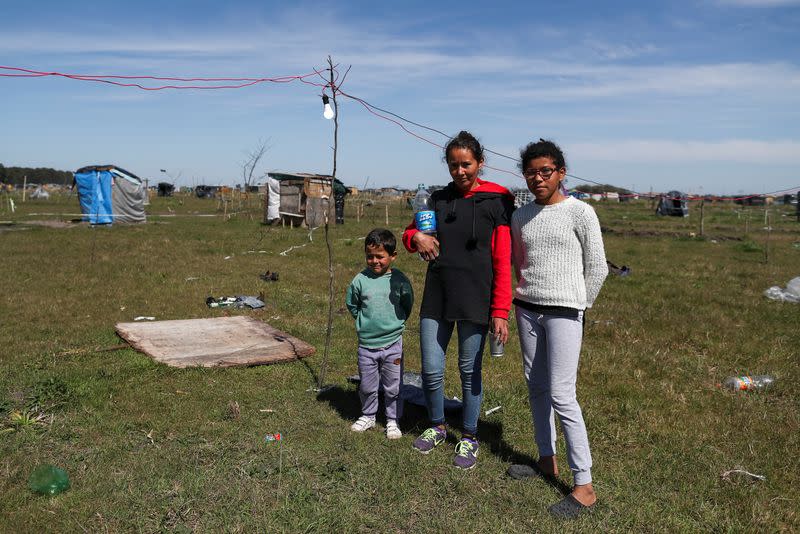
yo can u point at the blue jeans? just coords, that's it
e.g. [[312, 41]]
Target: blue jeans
[[434, 337]]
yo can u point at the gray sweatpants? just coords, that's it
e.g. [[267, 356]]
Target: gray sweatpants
[[551, 347], [380, 367]]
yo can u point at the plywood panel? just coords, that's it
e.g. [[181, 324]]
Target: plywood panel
[[214, 342]]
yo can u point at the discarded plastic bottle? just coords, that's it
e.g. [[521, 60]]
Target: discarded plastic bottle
[[424, 216], [747, 383], [48, 480]]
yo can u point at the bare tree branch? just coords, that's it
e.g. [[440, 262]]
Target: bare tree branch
[[253, 157]]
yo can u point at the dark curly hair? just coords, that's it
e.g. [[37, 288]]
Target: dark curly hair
[[464, 139], [380, 237], [542, 148]]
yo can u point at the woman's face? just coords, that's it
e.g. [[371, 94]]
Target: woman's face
[[544, 180], [463, 168]]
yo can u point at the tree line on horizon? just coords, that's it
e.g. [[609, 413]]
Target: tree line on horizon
[[40, 175]]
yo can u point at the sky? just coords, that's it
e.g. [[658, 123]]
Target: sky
[[697, 95]]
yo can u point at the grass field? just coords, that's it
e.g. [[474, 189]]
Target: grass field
[[152, 448]]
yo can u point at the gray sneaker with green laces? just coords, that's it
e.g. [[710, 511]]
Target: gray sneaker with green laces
[[466, 454], [429, 439]]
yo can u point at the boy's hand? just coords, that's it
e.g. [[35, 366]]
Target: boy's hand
[[426, 245]]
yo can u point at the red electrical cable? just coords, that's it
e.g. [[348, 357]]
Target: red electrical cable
[[19, 72], [106, 78]]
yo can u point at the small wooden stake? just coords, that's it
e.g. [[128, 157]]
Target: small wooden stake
[[769, 233], [702, 216]]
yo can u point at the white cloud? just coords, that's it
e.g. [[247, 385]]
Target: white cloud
[[759, 3], [617, 51], [577, 82], [751, 151]]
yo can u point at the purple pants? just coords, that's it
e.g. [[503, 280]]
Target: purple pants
[[380, 368]]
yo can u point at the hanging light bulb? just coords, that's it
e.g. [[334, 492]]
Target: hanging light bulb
[[328, 111]]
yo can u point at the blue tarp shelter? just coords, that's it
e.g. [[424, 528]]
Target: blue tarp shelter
[[109, 194]]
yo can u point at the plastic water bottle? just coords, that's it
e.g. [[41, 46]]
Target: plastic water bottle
[[424, 215], [48, 480], [747, 383]]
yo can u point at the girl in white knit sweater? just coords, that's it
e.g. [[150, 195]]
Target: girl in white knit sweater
[[560, 264]]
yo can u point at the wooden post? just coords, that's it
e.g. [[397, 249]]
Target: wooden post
[[797, 205], [387, 214], [24, 187], [769, 233], [747, 224], [329, 329], [702, 216]]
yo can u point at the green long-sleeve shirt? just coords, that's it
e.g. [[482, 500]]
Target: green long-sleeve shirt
[[380, 305]]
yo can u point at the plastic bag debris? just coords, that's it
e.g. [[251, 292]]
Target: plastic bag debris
[[239, 301], [790, 294], [48, 480]]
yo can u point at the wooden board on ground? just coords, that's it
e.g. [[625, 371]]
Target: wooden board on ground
[[214, 342]]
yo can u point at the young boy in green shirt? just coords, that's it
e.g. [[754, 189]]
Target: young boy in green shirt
[[380, 300]]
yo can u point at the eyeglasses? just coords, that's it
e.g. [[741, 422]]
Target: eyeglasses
[[544, 172]]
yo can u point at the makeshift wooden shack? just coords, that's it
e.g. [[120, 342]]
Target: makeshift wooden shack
[[304, 198]]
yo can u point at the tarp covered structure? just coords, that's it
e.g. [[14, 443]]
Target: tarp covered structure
[[109, 194], [673, 203]]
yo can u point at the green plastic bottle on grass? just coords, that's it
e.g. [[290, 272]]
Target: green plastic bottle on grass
[[48, 480]]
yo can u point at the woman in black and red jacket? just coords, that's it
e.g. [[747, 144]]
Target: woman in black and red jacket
[[468, 285]]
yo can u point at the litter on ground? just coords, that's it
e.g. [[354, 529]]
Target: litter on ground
[[269, 276], [727, 474], [790, 294], [238, 301], [619, 271]]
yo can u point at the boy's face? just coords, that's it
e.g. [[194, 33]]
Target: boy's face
[[378, 260]]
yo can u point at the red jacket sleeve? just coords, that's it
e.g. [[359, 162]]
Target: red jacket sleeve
[[501, 264], [409, 232]]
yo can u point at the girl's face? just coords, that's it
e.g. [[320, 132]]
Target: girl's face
[[463, 168], [544, 180]]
